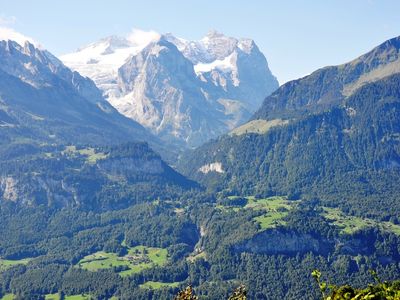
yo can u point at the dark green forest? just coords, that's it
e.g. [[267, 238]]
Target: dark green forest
[[205, 249]]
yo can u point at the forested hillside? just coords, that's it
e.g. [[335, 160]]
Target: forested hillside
[[152, 249], [347, 156], [89, 177]]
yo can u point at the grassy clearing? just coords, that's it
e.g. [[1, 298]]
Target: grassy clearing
[[159, 285], [8, 297], [137, 259], [271, 219], [258, 126], [270, 204], [274, 208], [352, 224], [6, 264], [79, 297], [91, 155], [52, 297]]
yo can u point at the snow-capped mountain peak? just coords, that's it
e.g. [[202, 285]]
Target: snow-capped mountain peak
[[226, 64], [40, 69], [113, 50], [101, 60], [187, 91]]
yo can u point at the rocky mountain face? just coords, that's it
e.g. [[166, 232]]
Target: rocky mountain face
[[39, 68], [311, 140], [41, 100], [281, 242], [186, 92], [171, 104], [236, 68], [284, 241]]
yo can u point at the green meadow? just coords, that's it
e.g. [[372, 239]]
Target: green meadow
[[276, 209], [91, 155], [351, 224], [52, 297], [273, 209], [79, 297], [6, 263], [159, 285], [137, 259]]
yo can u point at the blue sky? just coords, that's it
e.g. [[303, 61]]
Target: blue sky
[[297, 36]]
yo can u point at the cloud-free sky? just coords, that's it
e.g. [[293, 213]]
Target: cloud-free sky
[[297, 36]]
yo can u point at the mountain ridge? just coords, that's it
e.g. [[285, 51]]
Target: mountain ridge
[[329, 86], [42, 95], [219, 75]]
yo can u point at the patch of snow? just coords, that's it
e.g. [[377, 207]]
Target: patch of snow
[[224, 65], [101, 60]]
